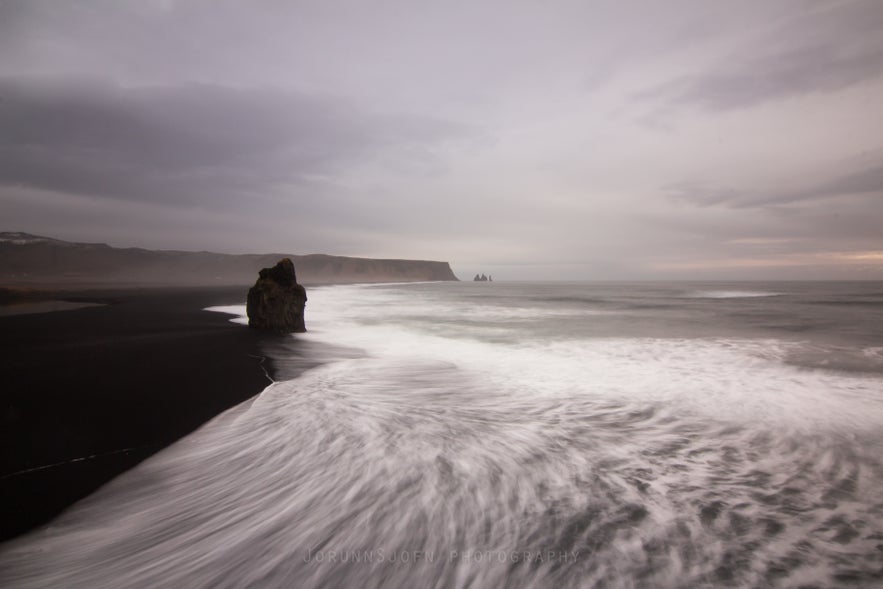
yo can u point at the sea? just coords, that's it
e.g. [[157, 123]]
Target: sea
[[518, 434]]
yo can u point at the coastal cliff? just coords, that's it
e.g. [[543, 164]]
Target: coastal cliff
[[31, 259]]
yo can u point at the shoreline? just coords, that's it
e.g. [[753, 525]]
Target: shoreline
[[91, 392]]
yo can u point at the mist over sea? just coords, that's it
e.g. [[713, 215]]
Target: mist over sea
[[519, 435]]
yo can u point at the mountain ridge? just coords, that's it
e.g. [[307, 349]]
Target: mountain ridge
[[33, 259]]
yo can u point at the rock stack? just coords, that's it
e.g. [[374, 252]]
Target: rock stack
[[276, 301]]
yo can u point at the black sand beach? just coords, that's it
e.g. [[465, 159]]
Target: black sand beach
[[89, 393]]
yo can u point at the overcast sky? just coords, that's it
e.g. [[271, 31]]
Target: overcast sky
[[527, 139]]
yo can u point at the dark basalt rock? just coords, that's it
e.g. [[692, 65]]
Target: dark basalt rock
[[276, 301]]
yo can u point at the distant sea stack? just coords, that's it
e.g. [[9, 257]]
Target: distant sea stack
[[482, 278], [276, 301]]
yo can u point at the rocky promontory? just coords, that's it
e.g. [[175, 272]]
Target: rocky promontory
[[28, 260], [276, 301]]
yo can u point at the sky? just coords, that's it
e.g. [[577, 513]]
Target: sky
[[561, 139]]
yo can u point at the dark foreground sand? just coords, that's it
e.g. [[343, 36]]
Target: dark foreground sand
[[113, 383]]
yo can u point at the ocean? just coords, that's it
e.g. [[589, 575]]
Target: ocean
[[519, 435]]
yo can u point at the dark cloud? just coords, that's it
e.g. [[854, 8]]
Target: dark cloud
[[824, 51], [739, 85], [474, 132], [187, 144], [863, 181]]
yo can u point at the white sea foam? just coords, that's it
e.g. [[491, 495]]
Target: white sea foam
[[731, 294], [740, 379], [237, 310], [725, 379], [662, 462]]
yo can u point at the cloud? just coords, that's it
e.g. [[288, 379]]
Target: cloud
[[191, 144], [826, 50], [864, 181], [704, 195], [812, 259], [502, 133], [792, 73]]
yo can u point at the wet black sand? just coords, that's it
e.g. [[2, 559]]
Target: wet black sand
[[112, 384]]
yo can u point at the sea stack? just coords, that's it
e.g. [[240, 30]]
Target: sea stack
[[276, 301]]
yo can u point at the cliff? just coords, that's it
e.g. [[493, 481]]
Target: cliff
[[30, 259]]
